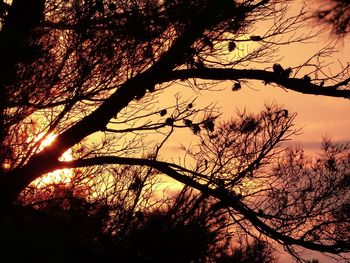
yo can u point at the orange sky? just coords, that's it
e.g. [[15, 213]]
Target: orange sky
[[318, 116]]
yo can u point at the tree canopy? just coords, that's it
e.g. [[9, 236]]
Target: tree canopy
[[94, 75], [336, 14]]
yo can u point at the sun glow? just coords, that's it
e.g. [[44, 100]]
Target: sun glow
[[63, 176]]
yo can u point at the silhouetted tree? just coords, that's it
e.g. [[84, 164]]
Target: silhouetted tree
[[336, 13], [188, 227], [257, 251], [94, 74]]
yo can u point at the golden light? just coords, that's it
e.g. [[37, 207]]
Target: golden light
[[63, 176]]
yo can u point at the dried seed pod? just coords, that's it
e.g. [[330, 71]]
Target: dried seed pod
[[163, 112], [231, 46]]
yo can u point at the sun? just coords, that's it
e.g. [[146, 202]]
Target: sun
[[63, 176]]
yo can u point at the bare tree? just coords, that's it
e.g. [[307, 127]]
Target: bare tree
[[91, 72]]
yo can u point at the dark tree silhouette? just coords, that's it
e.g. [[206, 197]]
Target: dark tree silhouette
[[336, 13], [257, 251], [188, 227], [94, 74]]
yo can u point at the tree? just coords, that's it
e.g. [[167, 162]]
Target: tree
[[257, 251], [187, 227], [336, 14], [90, 73]]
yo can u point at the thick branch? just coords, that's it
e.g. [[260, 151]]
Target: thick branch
[[295, 84], [227, 197], [43, 162]]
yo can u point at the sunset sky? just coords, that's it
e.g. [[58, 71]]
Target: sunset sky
[[110, 114], [317, 116]]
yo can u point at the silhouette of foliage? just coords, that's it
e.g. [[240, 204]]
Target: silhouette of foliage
[[95, 75], [185, 228], [256, 252], [336, 13]]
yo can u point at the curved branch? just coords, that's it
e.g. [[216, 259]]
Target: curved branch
[[222, 194], [45, 160], [295, 84]]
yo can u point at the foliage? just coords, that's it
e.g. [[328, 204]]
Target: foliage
[[336, 13], [66, 226], [95, 74]]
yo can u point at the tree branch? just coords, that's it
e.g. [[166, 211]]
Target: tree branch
[[295, 84], [227, 197], [43, 161]]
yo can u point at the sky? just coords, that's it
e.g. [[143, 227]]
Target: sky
[[317, 116]]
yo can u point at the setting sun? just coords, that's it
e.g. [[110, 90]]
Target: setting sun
[[175, 130], [63, 176]]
